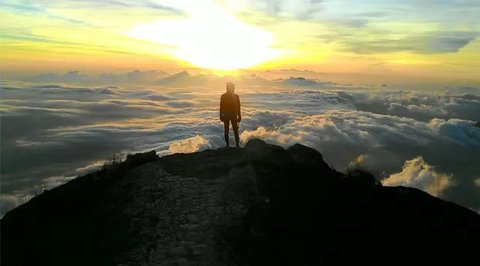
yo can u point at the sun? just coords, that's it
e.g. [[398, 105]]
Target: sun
[[211, 38]]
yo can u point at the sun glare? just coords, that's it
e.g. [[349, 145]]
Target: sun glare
[[211, 38]]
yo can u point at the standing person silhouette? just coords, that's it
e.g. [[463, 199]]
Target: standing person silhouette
[[230, 112]]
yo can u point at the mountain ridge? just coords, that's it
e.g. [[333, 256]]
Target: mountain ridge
[[257, 205]]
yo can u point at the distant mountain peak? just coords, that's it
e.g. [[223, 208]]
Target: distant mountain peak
[[182, 73]]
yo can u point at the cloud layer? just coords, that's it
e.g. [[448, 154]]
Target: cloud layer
[[51, 133], [417, 173]]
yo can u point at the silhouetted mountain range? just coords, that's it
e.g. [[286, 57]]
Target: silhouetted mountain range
[[159, 77], [302, 82], [258, 205]]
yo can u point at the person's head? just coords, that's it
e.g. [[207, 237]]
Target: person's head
[[230, 87]]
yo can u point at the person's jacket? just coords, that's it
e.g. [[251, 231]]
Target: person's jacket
[[230, 105]]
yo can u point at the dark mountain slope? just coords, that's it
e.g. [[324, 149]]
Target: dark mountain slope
[[260, 205]]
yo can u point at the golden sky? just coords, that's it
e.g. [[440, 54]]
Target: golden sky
[[414, 39]]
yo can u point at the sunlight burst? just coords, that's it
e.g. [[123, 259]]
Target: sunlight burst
[[211, 38]]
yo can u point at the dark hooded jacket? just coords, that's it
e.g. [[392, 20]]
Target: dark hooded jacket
[[230, 105]]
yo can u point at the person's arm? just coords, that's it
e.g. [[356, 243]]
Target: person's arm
[[239, 114], [221, 108]]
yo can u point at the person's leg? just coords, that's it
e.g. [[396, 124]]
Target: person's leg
[[226, 128], [235, 131]]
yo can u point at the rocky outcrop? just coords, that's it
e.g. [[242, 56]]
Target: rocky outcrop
[[260, 205]]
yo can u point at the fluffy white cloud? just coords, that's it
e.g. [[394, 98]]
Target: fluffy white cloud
[[457, 130], [419, 174], [477, 182], [300, 9], [420, 105], [271, 136], [7, 202], [188, 145]]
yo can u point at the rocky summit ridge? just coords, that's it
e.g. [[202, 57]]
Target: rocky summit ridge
[[257, 205]]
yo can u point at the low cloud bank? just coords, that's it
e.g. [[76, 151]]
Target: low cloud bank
[[417, 173]]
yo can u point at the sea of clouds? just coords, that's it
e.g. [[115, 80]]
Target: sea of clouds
[[52, 131]]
